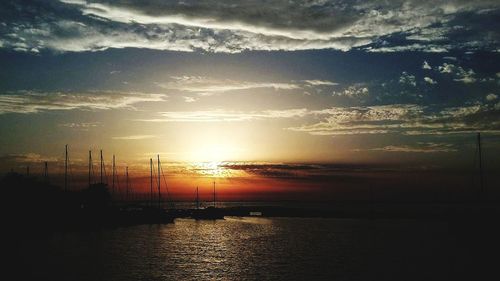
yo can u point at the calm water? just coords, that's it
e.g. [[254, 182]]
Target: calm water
[[255, 249]]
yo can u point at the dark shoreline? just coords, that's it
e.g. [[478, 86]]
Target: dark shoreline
[[124, 216]]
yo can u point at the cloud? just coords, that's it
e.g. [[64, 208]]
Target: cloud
[[458, 73], [429, 80], [355, 92], [408, 119], [226, 115], [190, 99], [286, 171], [205, 86], [320, 82], [218, 26], [134, 137], [83, 126], [428, 147], [275, 170], [491, 97], [34, 102], [415, 47], [26, 158], [426, 65], [407, 79], [309, 171]]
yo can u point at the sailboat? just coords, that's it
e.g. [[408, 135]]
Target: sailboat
[[150, 213], [97, 194], [209, 213]]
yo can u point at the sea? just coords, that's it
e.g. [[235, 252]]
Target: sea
[[259, 248]]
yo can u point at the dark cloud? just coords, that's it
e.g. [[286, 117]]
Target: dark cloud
[[221, 26], [313, 172]]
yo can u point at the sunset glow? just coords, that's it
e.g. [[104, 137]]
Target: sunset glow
[[250, 139], [258, 98]]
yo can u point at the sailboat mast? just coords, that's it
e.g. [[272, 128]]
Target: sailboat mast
[[214, 194], [151, 179], [90, 167], [46, 172], [101, 166], [126, 191], [159, 182], [481, 184], [113, 175], [197, 199], [66, 169]]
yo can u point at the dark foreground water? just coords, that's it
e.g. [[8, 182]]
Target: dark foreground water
[[263, 249]]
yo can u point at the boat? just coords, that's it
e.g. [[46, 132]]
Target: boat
[[209, 213], [97, 208]]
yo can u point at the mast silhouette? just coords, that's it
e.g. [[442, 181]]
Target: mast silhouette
[[481, 183], [159, 182], [113, 176], [102, 164], [214, 194], [66, 169], [46, 172], [197, 199], [151, 179], [90, 168], [126, 188]]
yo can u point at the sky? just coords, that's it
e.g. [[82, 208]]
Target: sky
[[270, 99]]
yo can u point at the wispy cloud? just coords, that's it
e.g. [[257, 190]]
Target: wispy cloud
[[320, 82], [83, 126], [134, 137], [206, 86], [34, 102], [225, 115], [26, 158], [407, 119], [428, 147], [209, 86], [189, 99]]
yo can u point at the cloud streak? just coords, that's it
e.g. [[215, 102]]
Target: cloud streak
[[82, 126], [408, 119], [208, 86], [226, 115], [34, 102], [429, 147], [135, 137]]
